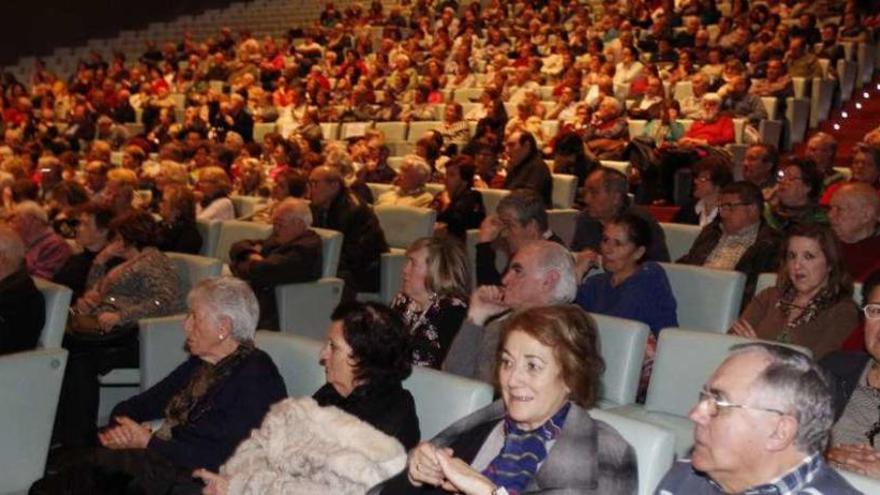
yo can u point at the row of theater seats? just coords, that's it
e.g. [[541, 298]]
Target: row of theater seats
[[708, 302]]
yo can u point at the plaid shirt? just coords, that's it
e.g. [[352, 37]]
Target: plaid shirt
[[812, 476]]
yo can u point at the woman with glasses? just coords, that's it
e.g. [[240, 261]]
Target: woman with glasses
[[856, 387], [711, 175], [811, 304], [799, 185]]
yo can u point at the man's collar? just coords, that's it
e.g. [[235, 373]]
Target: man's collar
[[793, 481], [745, 231]]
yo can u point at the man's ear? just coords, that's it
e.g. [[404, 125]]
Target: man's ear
[[784, 435], [551, 278]]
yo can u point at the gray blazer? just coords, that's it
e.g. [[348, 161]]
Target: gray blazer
[[472, 352], [589, 457]]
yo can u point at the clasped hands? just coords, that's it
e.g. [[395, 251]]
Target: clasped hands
[[437, 466], [125, 434]]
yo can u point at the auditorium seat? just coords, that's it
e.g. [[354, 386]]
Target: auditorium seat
[[706, 299], [443, 398], [57, 303], [622, 346], [679, 238]]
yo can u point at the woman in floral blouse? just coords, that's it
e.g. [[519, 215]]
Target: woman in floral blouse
[[433, 297]]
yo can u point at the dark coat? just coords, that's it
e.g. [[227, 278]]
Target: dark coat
[[179, 237], [22, 313], [464, 212], [588, 234], [363, 242], [294, 262], [844, 369], [761, 257], [388, 407], [223, 418], [589, 456], [487, 273], [532, 173]]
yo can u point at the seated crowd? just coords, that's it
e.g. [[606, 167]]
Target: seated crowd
[[104, 174]]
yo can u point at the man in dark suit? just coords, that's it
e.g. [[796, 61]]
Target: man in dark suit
[[22, 308], [292, 254]]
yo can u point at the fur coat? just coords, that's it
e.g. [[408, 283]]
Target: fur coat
[[303, 448]]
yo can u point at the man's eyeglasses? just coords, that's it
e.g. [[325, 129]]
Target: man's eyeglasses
[[872, 311], [715, 405], [730, 206]]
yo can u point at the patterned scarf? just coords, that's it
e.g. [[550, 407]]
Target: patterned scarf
[[181, 407], [523, 452], [824, 299]]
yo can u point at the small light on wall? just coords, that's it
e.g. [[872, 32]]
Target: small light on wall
[[866, 95], [836, 127], [844, 115], [859, 105]]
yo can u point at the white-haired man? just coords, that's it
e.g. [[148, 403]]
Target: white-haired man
[[762, 422], [541, 273], [45, 251], [410, 189], [22, 309], [291, 254], [854, 212]]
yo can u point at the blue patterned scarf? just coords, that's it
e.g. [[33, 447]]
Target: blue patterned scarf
[[523, 452]]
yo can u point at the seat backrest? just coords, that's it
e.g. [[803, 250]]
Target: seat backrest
[[564, 190], [232, 231], [30, 383], [297, 359], [419, 128], [192, 269], [305, 308], [57, 303], [654, 447], [860, 482], [491, 198], [706, 299], [377, 189], [210, 232], [684, 362], [679, 238], [393, 131], [161, 347], [261, 129], [330, 130], [622, 346], [636, 126], [563, 222], [622, 167], [245, 206], [442, 398], [404, 224], [767, 280], [331, 249], [353, 129]]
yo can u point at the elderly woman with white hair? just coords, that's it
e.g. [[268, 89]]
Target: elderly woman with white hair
[[207, 405], [607, 133], [410, 189]]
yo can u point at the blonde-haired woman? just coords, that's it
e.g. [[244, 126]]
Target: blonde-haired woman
[[214, 186], [433, 296]]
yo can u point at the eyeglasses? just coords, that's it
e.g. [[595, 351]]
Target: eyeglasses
[[783, 177], [716, 404], [872, 311], [730, 206]]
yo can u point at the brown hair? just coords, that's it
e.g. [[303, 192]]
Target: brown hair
[[571, 333], [839, 281]]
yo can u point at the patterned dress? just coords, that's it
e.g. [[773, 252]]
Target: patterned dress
[[433, 327]]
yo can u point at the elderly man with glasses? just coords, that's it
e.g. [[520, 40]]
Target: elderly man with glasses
[[761, 423], [739, 240]]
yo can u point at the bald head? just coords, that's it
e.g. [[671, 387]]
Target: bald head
[[854, 212]]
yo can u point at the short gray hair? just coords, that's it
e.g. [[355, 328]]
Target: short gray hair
[[419, 164], [800, 388], [11, 246], [228, 297], [552, 256], [33, 210]]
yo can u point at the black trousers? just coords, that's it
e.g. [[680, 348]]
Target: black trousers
[[90, 356], [101, 471]]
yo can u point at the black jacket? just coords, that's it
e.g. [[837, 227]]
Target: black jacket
[[22, 313], [464, 212], [294, 262], [844, 369], [363, 242], [179, 237], [532, 173], [223, 418], [388, 407]]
